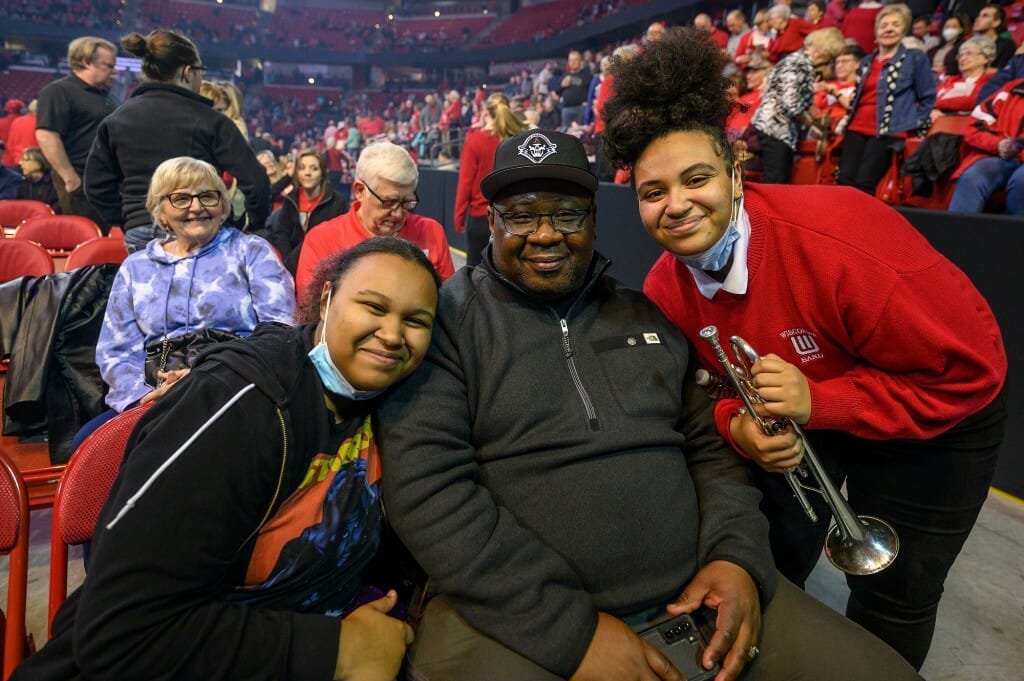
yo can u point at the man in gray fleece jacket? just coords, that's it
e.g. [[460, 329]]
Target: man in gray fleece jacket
[[555, 469]]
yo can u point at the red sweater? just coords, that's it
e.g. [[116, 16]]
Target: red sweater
[[859, 25], [791, 39], [21, 136], [346, 231], [894, 340], [476, 162]]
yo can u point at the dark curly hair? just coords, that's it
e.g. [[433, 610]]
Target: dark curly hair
[[675, 84], [334, 267]]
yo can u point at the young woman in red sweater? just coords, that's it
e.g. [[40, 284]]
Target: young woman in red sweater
[[879, 347], [497, 123]]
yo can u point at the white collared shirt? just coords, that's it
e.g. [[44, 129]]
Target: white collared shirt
[[736, 280]]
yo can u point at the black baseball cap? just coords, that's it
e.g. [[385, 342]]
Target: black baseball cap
[[539, 154]]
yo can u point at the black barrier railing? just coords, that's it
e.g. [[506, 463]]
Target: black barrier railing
[[989, 248]]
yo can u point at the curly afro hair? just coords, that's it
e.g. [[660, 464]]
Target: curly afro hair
[[674, 84]]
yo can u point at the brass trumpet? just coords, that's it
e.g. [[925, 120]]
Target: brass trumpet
[[857, 545]]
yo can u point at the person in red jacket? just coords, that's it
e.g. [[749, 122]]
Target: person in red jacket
[[790, 31], [703, 22], [956, 95], [21, 136], [14, 108], [996, 158], [871, 340], [498, 123], [383, 198]]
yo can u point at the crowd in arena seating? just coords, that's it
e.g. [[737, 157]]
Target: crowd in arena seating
[[296, 119]]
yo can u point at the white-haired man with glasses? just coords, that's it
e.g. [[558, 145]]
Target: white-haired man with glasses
[[383, 201]]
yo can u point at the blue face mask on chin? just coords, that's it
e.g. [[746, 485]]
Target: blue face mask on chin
[[716, 257], [332, 378]]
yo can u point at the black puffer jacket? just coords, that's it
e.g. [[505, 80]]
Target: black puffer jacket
[[49, 327]]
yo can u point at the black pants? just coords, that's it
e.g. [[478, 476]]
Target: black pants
[[930, 491], [863, 160], [777, 159], [478, 233]]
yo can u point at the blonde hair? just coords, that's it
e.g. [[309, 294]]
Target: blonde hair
[[506, 124], [82, 51], [899, 9], [213, 91], [179, 173], [387, 160], [828, 41]]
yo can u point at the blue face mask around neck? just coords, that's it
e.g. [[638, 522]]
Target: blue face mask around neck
[[716, 257], [332, 378]]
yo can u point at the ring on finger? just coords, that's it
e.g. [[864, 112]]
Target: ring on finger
[[752, 652]]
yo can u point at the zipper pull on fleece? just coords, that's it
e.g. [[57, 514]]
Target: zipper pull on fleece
[[565, 338]]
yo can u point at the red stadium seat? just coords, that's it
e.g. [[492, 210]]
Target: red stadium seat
[[23, 258], [97, 251], [81, 493], [15, 211], [59, 234], [14, 544]]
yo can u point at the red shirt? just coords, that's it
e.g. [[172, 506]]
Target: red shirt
[[476, 162], [720, 38], [871, 314], [859, 24], [5, 125], [344, 231], [21, 136], [791, 39], [864, 119], [604, 93], [835, 109], [954, 95]]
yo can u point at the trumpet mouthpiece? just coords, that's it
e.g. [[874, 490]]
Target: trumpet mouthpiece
[[709, 332]]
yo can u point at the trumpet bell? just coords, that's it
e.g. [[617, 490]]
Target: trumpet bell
[[874, 553]]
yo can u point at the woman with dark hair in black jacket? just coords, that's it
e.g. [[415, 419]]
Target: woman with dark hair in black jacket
[[166, 117], [312, 201]]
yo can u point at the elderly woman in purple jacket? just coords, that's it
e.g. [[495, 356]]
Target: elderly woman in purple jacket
[[200, 276]]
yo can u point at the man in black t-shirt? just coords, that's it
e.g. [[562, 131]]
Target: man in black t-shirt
[[69, 112], [573, 89]]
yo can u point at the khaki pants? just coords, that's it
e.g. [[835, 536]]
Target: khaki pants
[[800, 639]]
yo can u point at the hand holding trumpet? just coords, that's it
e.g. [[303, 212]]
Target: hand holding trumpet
[[786, 394]]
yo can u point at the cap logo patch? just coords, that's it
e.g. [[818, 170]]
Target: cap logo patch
[[536, 148]]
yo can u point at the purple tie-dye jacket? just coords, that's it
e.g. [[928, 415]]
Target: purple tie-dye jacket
[[233, 283]]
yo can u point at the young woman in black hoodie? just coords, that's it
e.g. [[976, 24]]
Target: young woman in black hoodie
[[235, 541]]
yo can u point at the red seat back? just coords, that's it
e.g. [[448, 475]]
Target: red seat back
[[15, 211], [97, 251], [81, 493], [58, 232], [13, 543], [21, 258]]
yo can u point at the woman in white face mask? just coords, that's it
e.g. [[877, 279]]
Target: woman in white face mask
[[954, 32], [238, 540]]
